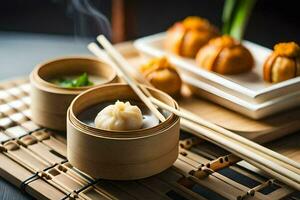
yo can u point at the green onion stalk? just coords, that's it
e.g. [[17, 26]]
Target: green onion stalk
[[235, 17]]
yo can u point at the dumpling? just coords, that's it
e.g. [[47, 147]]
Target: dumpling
[[185, 38], [225, 55], [162, 75], [119, 116], [283, 63]]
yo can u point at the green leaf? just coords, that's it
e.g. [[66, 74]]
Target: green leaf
[[241, 18], [82, 80], [228, 13], [235, 16]]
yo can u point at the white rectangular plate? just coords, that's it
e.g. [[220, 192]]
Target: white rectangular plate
[[254, 111], [249, 87]]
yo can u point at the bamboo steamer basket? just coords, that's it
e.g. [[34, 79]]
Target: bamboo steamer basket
[[49, 102], [120, 155]]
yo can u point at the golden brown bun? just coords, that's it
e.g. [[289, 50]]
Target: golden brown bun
[[162, 76], [187, 37], [283, 63], [225, 55]]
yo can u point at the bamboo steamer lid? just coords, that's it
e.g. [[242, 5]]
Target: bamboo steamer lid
[[49, 102], [120, 155]]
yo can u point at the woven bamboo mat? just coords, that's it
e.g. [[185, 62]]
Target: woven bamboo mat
[[34, 159]]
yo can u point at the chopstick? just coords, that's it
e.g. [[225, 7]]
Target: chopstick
[[118, 58], [234, 145], [269, 167], [132, 83], [195, 118]]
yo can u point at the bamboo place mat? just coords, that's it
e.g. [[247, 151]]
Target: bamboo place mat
[[34, 159]]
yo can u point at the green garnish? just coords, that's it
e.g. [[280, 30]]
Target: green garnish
[[235, 16], [82, 80], [228, 14]]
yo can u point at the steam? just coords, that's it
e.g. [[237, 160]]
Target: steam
[[89, 21]]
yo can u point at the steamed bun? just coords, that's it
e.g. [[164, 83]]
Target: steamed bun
[[119, 116]]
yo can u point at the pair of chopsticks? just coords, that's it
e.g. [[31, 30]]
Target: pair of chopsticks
[[274, 164]]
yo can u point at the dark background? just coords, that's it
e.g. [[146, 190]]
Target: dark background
[[271, 21]]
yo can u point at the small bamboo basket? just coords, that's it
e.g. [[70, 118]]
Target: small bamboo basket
[[49, 102], [120, 155]]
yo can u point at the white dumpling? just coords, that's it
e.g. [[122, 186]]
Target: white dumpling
[[120, 116]]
